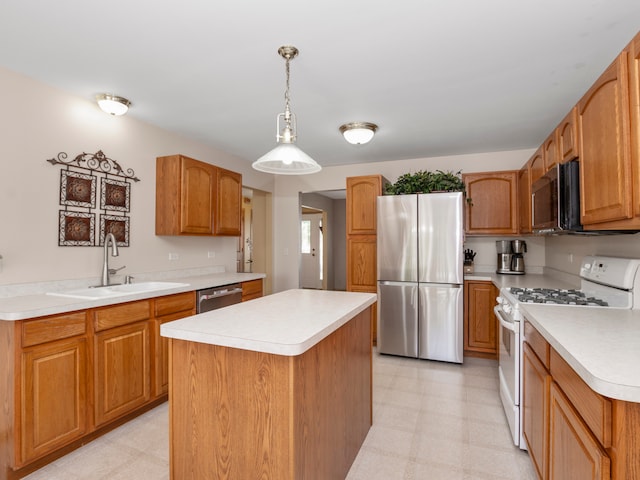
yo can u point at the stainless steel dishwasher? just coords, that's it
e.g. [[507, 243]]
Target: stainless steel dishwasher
[[218, 297]]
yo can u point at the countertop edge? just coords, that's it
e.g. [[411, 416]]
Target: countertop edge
[[41, 305], [178, 331]]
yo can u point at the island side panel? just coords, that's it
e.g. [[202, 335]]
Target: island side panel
[[237, 414], [230, 413], [332, 383]]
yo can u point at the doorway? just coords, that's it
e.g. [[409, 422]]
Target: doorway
[[332, 265], [312, 249], [255, 244]]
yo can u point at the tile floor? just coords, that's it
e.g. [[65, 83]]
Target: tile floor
[[431, 421]]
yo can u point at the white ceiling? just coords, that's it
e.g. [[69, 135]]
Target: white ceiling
[[438, 77]]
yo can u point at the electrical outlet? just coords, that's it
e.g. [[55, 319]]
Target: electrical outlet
[[211, 254], [173, 256]]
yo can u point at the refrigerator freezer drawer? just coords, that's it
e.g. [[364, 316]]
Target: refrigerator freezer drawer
[[440, 324], [398, 318]]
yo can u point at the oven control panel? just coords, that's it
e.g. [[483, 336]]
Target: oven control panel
[[610, 271]]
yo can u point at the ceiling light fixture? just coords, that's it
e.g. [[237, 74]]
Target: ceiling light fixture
[[112, 104], [358, 133], [286, 158]]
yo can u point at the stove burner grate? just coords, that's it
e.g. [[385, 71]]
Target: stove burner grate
[[556, 296]]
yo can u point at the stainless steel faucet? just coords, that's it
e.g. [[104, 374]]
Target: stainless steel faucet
[[114, 253]]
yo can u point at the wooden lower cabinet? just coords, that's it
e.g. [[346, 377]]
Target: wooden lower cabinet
[[535, 406], [167, 309], [122, 372], [252, 290], [574, 452], [53, 396], [480, 323]]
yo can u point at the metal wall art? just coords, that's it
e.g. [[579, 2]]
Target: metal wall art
[[79, 197]]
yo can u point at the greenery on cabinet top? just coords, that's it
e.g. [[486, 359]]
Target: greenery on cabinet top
[[426, 182]]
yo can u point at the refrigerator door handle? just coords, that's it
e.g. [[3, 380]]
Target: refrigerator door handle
[[441, 285]]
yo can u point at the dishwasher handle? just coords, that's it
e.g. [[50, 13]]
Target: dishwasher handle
[[220, 294]]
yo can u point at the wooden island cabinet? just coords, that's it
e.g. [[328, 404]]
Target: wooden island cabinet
[[274, 403]]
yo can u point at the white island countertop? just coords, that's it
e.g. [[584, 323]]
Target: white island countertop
[[286, 323], [601, 344]]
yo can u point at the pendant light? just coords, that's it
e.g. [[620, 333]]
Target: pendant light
[[286, 158]]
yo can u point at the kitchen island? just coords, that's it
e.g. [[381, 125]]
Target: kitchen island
[[277, 388]]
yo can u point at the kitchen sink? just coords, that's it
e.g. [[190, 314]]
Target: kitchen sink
[[112, 291]]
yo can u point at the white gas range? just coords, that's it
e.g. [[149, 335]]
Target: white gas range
[[606, 282]]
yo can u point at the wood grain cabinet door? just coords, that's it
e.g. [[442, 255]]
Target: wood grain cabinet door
[[494, 202], [362, 194], [524, 199], [551, 151], [53, 396], [480, 321], [573, 450], [197, 197], [535, 405], [538, 167], [228, 203], [568, 137], [361, 263], [603, 129], [122, 372]]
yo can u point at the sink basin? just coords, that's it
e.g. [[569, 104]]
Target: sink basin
[[113, 291]]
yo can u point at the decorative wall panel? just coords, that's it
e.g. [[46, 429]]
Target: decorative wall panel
[[78, 195]]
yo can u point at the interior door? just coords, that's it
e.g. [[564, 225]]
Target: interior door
[[311, 251]]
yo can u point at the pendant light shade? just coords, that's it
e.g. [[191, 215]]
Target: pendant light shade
[[112, 104], [358, 133], [286, 158]]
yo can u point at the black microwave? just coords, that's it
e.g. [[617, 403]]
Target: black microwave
[[555, 200]]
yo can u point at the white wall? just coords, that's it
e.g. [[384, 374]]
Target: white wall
[[37, 122], [334, 178]]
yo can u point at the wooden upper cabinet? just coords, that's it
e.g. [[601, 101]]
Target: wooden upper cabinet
[[551, 152], [196, 198], [494, 202], [567, 133], [634, 96], [362, 194], [362, 263], [605, 156], [228, 203], [536, 162], [524, 199]]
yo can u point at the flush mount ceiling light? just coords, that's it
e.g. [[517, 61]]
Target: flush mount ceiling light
[[112, 104], [286, 158], [358, 133]]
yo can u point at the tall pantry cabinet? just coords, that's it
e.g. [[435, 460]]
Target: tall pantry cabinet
[[362, 194]]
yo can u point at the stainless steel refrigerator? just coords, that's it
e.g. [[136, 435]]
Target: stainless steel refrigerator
[[420, 279]]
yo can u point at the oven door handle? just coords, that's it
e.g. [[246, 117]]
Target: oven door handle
[[513, 326]]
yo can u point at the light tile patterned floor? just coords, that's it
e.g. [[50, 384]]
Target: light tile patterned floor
[[432, 421]]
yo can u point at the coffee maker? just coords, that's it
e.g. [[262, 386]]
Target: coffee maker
[[510, 256], [519, 247]]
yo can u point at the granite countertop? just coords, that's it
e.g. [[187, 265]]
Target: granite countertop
[[286, 323], [601, 344], [21, 307]]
